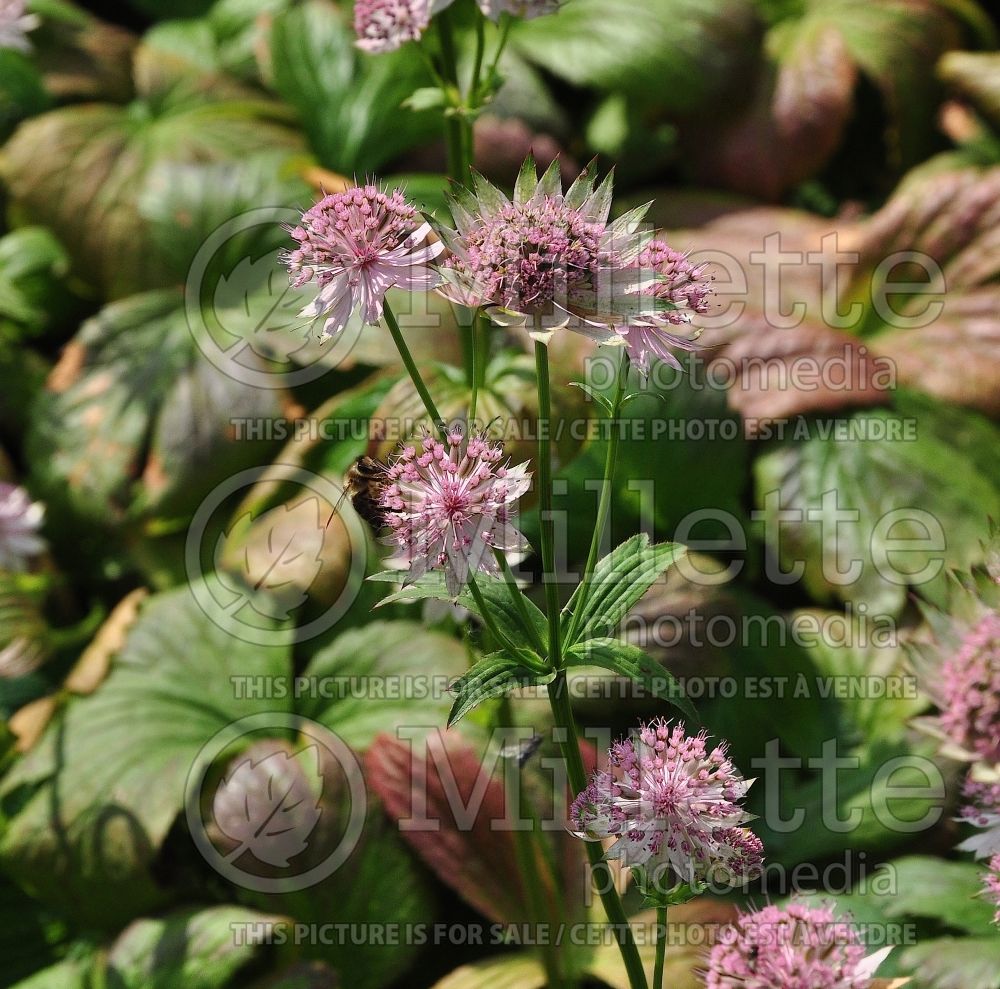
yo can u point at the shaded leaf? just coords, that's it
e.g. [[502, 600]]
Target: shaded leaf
[[111, 415], [680, 52], [884, 476], [389, 674], [349, 104], [84, 822]]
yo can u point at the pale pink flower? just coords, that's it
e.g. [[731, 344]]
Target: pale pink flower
[[355, 246], [548, 260], [385, 25], [671, 803], [795, 947], [957, 657], [982, 812], [449, 505], [970, 689], [15, 23], [686, 288], [20, 520], [991, 885]]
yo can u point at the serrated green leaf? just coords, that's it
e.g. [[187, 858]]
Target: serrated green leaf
[[630, 661], [494, 591], [619, 580], [494, 675]]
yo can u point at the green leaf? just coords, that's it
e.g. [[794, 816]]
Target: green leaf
[[947, 891], [382, 676], [930, 477], [630, 661], [426, 98], [494, 591], [619, 580], [91, 192], [955, 963], [679, 52], [111, 416], [349, 103], [22, 93], [495, 675], [198, 948], [90, 805]]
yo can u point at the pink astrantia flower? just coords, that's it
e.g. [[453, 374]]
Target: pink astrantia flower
[[15, 24], [982, 812], [20, 520], [991, 885], [355, 246], [671, 803], [385, 25], [450, 505], [685, 286], [795, 947], [548, 260], [957, 657], [970, 688]]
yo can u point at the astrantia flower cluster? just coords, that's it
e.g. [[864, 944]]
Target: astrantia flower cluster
[[450, 505], [796, 947], [385, 25], [991, 886], [15, 24], [686, 287], [20, 520], [355, 246], [970, 688], [549, 260], [982, 812], [672, 804]]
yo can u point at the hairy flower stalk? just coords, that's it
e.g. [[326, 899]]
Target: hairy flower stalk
[[450, 505], [549, 260], [672, 805], [795, 947], [20, 521], [15, 23], [355, 246]]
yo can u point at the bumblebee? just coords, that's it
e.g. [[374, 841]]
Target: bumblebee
[[364, 484]]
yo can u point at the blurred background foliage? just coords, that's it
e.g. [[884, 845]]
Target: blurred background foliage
[[133, 131]]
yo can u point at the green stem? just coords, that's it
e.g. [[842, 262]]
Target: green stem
[[518, 599], [455, 123], [604, 502], [546, 521], [527, 860], [661, 946], [413, 371], [494, 629], [562, 713]]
